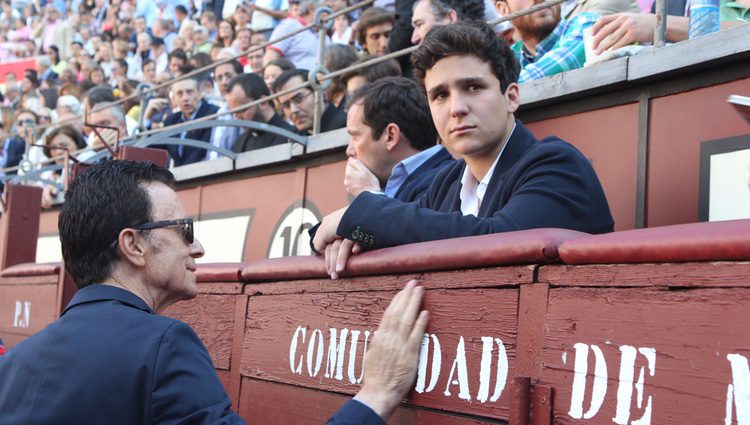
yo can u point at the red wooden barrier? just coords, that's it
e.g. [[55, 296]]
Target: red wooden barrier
[[28, 300]]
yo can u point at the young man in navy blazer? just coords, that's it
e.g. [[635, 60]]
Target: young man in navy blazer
[[506, 180], [392, 141], [111, 359]]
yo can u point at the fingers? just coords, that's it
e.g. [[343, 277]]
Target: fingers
[[601, 22], [345, 251], [419, 329], [411, 310]]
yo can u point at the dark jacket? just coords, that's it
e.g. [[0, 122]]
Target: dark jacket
[[546, 183], [253, 139], [14, 148], [190, 154], [418, 181], [333, 118]]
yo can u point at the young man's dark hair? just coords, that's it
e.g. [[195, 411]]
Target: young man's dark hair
[[465, 9], [466, 38], [98, 94], [397, 100], [236, 66], [157, 41], [252, 84], [371, 17], [98, 205], [180, 8], [288, 75], [123, 64], [179, 54]]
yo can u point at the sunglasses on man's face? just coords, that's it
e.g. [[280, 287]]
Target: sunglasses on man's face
[[185, 227]]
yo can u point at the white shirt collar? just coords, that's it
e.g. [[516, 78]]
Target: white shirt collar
[[472, 191]]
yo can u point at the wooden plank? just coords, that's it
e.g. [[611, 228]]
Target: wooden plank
[[202, 169], [307, 340], [625, 354], [209, 316], [475, 278], [265, 156], [26, 309], [235, 379], [273, 403], [719, 274], [224, 288], [532, 308], [601, 76], [29, 280]]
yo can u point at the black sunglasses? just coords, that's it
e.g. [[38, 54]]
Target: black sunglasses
[[186, 227]]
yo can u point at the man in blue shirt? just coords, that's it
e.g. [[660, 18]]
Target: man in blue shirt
[[392, 141], [111, 358]]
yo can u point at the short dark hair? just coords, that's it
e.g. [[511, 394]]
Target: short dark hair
[[179, 54], [146, 62], [236, 66], [288, 75], [180, 8], [157, 41], [67, 130], [467, 38], [389, 68], [252, 84], [371, 17], [400, 101], [465, 9], [124, 64], [100, 203], [99, 94]]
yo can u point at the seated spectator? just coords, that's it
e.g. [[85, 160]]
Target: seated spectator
[[96, 76], [358, 78], [148, 71], [60, 140], [337, 57], [506, 180], [243, 89], [176, 59], [15, 146], [102, 94], [302, 48], [158, 53], [374, 30], [57, 65], [225, 36], [299, 105], [224, 137], [392, 141], [208, 20], [548, 44], [273, 69], [266, 15], [428, 13], [342, 30], [201, 43], [108, 115], [191, 106]]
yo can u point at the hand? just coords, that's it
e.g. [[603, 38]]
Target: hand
[[393, 355], [326, 233], [154, 105], [337, 254], [108, 136], [622, 29], [358, 178], [49, 193]]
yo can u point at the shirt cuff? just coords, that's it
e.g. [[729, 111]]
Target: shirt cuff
[[356, 412]]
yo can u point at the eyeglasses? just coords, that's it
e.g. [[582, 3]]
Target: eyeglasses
[[27, 122], [297, 99], [225, 76], [186, 227]]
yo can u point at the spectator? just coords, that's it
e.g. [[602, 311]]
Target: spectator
[[338, 57], [125, 278], [224, 137], [191, 106], [30, 84], [300, 49], [242, 44], [142, 52], [180, 14], [273, 69], [200, 60], [8, 13], [243, 89], [208, 21], [226, 34], [102, 95], [392, 141], [119, 73], [342, 30], [45, 29], [353, 80], [201, 44], [96, 76], [47, 77], [15, 146], [506, 179], [299, 105], [255, 60], [149, 71], [159, 54], [266, 14], [374, 29], [176, 59], [109, 115], [428, 13], [57, 66], [67, 104], [548, 45], [60, 140]]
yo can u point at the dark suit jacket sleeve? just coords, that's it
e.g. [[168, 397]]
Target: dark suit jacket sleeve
[[355, 413], [553, 186], [186, 388]]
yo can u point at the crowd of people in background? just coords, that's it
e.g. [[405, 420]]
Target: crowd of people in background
[[96, 52]]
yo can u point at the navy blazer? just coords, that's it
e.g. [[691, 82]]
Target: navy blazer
[[110, 360], [190, 154], [417, 182], [14, 149], [546, 183]]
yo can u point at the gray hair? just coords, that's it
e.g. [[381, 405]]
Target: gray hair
[[70, 102], [308, 6]]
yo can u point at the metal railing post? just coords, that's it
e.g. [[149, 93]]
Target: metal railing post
[[318, 88], [660, 32]]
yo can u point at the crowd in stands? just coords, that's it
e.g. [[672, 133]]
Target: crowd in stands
[[94, 52]]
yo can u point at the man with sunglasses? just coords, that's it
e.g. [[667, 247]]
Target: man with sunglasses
[[15, 146], [299, 105], [110, 358]]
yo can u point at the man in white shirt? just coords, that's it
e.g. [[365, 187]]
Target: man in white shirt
[[506, 179]]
